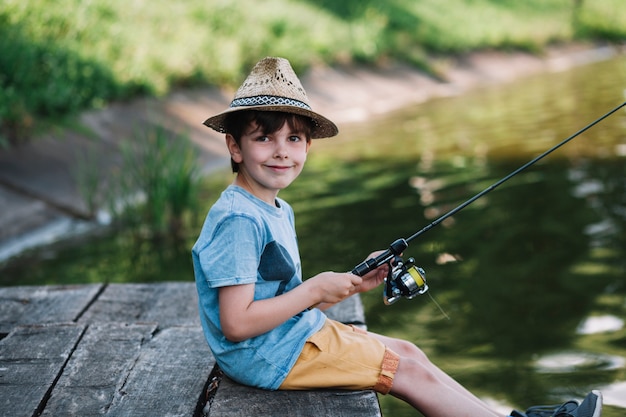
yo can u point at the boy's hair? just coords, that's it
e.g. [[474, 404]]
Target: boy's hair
[[236, 124]]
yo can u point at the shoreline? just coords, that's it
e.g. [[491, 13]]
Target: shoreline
[[40, 201], [340, 93]]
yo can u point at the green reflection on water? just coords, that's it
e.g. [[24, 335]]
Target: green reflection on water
[[523, 282], [517, 271]]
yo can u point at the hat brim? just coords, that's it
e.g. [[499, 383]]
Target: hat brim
[[323, 128]]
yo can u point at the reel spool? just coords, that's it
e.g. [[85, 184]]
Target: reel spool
[[404, 280]]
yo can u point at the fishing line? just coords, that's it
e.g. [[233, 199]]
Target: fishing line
[[438, 306]]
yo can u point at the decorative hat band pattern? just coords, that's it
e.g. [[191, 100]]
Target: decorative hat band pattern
[[268, 101]]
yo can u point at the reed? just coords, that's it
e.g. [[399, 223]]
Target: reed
[[157, 185]]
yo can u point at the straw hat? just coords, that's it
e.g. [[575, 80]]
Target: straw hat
[[273, 86]]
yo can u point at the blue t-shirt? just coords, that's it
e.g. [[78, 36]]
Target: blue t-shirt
[[244, 240]]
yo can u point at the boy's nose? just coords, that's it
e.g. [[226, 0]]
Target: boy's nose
[[281, 150]]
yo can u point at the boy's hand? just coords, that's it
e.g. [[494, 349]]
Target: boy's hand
[[373, 278], [332, 287]]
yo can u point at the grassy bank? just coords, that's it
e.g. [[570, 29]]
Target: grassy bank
[[56, 61]]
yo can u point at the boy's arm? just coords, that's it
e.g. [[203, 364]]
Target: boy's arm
[[242, 317]]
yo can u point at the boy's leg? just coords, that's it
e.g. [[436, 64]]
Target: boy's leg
[[427, 388]]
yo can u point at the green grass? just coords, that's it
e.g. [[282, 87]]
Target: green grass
[[56, 61]]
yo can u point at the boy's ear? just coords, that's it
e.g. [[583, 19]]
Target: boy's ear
[[233, 149]]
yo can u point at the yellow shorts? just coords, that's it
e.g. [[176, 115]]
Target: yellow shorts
[[343, 357]]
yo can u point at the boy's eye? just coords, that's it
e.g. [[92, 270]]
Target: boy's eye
[[262, 139], [295, 138]]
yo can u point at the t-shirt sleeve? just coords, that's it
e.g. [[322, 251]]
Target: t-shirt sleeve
[[232, 255]]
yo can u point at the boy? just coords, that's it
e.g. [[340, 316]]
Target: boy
[[264, 325]]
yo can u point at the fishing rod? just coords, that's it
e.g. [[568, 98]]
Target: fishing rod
[[405, 279]]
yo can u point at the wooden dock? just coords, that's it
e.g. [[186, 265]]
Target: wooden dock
[[135, 350]]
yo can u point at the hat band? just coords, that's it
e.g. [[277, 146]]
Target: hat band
[[268, 101]]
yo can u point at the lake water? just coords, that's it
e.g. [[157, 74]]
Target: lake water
[[531, 277]]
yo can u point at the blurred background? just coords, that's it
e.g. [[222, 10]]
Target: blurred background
[[532, 276]]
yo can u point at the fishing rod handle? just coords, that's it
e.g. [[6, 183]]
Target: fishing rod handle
[[395, 249]]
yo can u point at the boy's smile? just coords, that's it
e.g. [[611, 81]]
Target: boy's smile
[[268, 162]]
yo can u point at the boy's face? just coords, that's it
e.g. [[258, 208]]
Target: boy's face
[[268, 162]]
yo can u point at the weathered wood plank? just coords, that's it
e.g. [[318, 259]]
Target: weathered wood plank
[[31, 359], [169, 376], [45, 304], [158, 364], [98, 369], [235, 400], [168, 303]]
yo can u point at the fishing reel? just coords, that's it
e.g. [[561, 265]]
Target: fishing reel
[[404, 280]]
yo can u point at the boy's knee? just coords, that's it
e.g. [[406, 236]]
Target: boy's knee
[[409, 350], [413, 371]]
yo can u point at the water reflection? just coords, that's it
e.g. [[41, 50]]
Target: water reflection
[[520, 252], [111, 256], [567, 362], [600, 324], [517, 272], [614, 394]]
